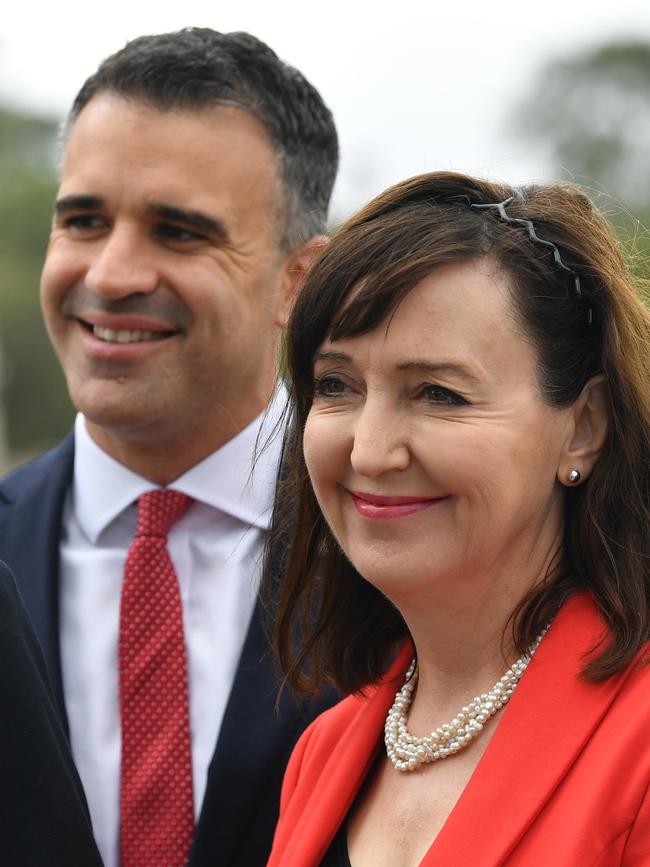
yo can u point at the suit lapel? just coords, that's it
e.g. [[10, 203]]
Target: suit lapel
[[31, 508], [549, 719], [253, 747]]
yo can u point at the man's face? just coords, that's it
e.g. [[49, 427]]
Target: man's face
[[163, 281]]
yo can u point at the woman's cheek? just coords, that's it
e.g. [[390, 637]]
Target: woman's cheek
[[324, 450]]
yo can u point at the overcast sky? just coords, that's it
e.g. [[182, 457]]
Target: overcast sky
[[414, 86]]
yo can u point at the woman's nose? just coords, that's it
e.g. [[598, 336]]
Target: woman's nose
[[380, 443], [122, 265]]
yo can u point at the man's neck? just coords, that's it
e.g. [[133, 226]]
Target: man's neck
[[159, 459]]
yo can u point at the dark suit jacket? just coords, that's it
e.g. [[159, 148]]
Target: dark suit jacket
[[244, 778], [564, 781], [44, 819]]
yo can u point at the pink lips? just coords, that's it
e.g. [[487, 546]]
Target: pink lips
[[376, 507]]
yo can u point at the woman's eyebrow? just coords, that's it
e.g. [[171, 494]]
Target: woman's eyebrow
[[438, 367], [429, 367], [330, 355]]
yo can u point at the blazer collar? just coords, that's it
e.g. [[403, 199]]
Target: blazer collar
[[550, 717], [313, 816], [520, 769]]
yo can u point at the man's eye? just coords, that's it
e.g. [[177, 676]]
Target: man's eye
[[177, 234], [83, 222], [438, 395], [329, 386]]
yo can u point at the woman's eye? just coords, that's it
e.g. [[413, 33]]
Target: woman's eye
[[329, 386], [439, 395]]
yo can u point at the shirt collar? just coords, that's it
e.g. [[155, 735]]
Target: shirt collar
[[238, 479]]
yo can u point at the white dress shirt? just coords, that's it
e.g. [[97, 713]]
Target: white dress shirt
[[216, 549]]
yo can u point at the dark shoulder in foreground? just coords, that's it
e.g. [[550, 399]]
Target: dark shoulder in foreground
[[44, 818]]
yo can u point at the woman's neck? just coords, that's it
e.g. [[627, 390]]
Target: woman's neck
[[463, 642]]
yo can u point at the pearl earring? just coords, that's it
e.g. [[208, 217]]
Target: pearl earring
[[574, 476]]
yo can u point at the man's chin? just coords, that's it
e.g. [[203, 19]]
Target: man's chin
[[117, 409]]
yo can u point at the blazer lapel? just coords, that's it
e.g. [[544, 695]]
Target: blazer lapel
[[311, 824], [550, 717], [254, 744], [31, 508]]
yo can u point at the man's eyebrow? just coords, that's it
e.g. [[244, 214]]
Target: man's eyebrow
[[440, 367], [188, 217], [77, 203]]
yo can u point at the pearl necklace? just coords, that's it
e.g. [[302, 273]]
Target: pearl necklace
[[406, 751]]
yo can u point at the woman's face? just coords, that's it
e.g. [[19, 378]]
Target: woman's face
[[432, 455]]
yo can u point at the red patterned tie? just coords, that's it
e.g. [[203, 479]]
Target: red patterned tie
[[156, 801]]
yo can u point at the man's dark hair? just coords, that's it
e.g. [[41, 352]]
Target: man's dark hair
[[197, 68]]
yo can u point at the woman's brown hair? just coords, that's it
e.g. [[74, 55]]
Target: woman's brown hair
[[331, 624]]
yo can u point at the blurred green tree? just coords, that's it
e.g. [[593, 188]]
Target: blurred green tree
[[37, 409], [590, 114]]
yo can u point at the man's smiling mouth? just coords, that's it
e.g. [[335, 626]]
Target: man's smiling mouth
[[125, 335]]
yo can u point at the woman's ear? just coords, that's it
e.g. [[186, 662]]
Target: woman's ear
[[586, 437]]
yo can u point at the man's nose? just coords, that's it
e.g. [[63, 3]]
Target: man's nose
[[381, 441], [122, 265]]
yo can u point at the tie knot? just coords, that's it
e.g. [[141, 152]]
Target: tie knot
[[159, 510]]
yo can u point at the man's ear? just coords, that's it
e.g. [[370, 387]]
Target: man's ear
[[586, 437], [298, 265]]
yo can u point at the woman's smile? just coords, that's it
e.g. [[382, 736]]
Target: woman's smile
[[376, 507]]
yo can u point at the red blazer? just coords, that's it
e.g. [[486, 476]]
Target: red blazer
[[564, 782]]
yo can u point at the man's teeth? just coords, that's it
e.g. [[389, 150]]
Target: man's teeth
[[123, 335]]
